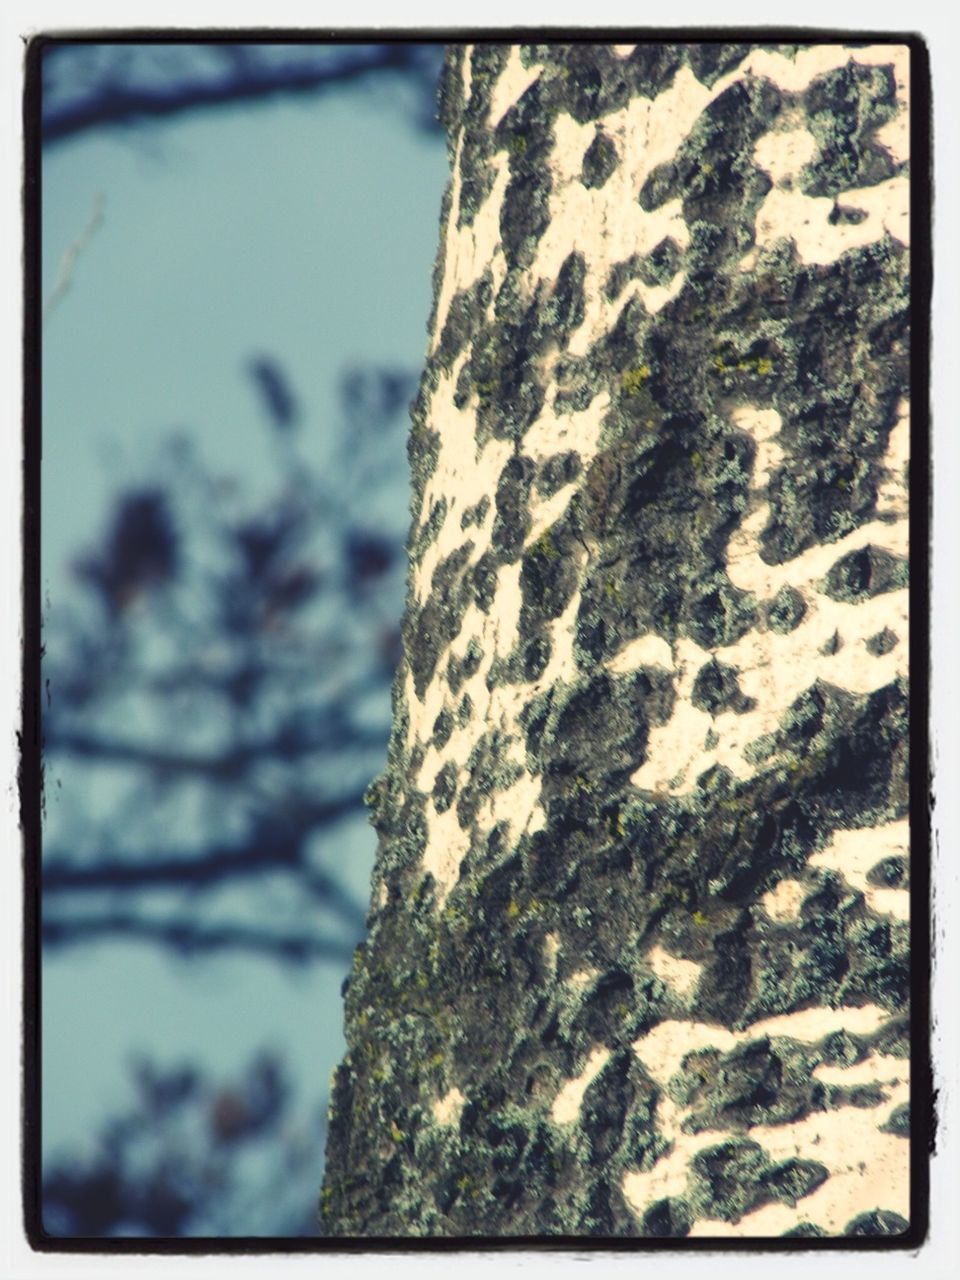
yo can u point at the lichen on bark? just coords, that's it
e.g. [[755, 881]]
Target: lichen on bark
[[638, 947]]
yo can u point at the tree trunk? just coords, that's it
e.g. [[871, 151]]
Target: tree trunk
[[638, 952]]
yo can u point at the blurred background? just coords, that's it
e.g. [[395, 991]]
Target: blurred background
[[237, 248]]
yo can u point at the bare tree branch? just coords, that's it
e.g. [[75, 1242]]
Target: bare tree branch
[[270, 849], [112, 103], [189, 938], [296, 697], [231, 764]]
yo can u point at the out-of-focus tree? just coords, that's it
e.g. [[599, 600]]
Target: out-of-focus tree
[[193, 1156], [216, 692], [216, 681], [88, 85]]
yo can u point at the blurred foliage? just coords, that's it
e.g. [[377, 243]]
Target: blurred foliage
[[192, 1156], [217, 690], [90, 85]]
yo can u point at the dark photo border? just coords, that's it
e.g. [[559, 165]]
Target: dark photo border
[[923, 1117]]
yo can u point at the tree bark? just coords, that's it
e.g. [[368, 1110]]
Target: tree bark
[[638, 948]]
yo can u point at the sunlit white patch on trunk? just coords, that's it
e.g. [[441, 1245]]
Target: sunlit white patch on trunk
[[663, 1048], [649, 650], [499, 707], [794, 73], [783, 902], [446, 1110], [516, 805], [469, 249], [786, 212], [783, 154], [676, 751], [775, 669], [763, 425], [566, 1105], [583, 978], [895, 134], [607, 224], [554, 431], [854, 853], [512, 84], [669, 1175], [880, 1069], [460, 469], [867, 1169], [792, 215], [893, 495], [446, 848], [681, 975]]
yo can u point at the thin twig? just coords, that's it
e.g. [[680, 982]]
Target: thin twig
[[68, 263]]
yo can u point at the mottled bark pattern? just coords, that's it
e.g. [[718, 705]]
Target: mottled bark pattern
[[638, 951]]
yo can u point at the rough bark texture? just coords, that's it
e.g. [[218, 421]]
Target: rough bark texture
[[638, 950]]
